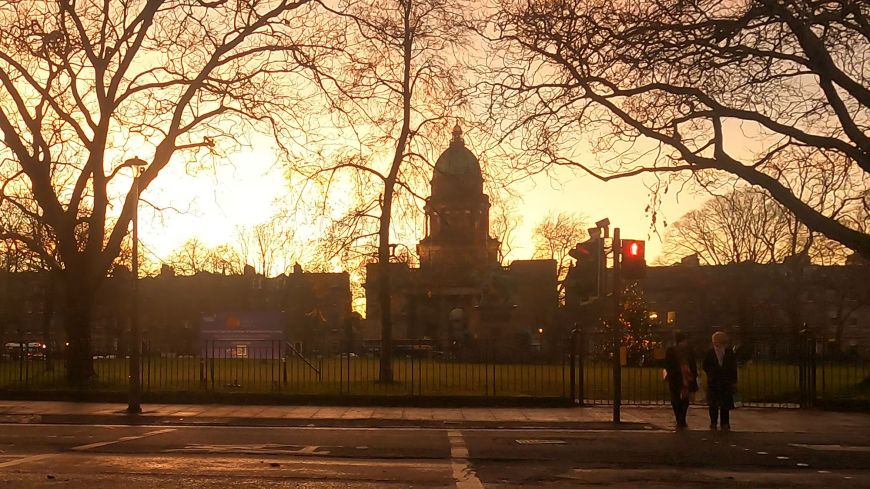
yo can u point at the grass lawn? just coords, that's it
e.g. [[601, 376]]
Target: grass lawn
[[759, 382]]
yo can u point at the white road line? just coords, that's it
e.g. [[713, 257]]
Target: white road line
[[832, 448], [43, 456], [32, 458], [119, 440], [463, 475]]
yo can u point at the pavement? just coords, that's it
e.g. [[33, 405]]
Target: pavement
[[750, 420]]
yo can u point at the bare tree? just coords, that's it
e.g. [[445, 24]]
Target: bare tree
[[191, 258], [555, 236], [709, 90], [225, 260], [504, 220], [400, 87], [271, 245], [194, 257], [746, 225], [18, 257], [15, 255], [87, 85]]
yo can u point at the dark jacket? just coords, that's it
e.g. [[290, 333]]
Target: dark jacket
[[721, 378], [675, 374]]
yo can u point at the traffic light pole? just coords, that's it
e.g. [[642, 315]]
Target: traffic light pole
[[617, 328]]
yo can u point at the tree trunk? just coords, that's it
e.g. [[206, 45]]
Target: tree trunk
[[386, 367], [79, 301]]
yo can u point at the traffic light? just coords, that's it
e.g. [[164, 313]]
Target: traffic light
[[633, 261], [582, 279]]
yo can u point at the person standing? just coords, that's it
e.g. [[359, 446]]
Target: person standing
[[720, 365], [682, 377]]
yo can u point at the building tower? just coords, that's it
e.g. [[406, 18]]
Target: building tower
[[457, 238]]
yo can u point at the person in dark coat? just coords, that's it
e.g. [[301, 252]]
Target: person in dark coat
[[720, 365], [682, 377]]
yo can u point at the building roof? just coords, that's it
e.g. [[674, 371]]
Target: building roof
[[457, 168]]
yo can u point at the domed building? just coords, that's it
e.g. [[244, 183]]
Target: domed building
[[457, 214], [460, 297]]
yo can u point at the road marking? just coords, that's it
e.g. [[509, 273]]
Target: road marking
[[463, 475], [541, 442], [32, 458], [254, 449], [458, 450], [832, 448], [43, 456], [780, 457], [120, 440]]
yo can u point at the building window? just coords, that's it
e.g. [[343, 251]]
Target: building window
[[672, 317], [240, 351]]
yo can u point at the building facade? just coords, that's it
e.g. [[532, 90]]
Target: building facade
[[765, 308], [460, 298], [182, 315]]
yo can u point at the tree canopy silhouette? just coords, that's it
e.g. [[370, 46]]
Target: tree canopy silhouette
[[87, 85], [710, 90]]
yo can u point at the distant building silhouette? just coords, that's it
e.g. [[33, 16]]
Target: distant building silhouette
[[763, 307], [460, 298], [181, 314]]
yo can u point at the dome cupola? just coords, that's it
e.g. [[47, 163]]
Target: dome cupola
[[457, 171]]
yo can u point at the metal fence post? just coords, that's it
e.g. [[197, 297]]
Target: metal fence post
[[573, 357], [580, 347], [811, 344]]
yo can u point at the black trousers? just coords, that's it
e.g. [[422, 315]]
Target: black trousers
[[681, 408], [720, 413]]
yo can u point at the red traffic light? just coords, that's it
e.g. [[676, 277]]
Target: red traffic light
[[633, 260], [632, 249]]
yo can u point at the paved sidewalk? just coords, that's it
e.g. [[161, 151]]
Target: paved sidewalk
[[634, 418]]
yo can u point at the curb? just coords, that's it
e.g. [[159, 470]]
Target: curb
[[122, 418]]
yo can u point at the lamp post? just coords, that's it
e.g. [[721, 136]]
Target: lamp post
[[135, 394]]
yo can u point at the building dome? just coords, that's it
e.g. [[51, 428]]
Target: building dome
[[457, 170]]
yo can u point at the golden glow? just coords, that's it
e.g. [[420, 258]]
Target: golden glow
[[212, 204]]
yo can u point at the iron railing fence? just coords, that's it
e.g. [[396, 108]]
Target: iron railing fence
[[792, 376], [276, 367]]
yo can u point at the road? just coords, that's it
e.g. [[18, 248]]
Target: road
[[156, 457]]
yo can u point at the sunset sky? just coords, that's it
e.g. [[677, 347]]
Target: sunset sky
[[211, 205]]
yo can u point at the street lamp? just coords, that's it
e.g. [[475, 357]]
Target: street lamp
[[135, 394]]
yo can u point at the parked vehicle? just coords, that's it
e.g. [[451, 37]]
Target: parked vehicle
[[33, 350]]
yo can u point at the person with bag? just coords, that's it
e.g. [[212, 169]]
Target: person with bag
[[682, 377], [720, 365]]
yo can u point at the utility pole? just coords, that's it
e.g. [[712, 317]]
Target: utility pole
[[617, 328]]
